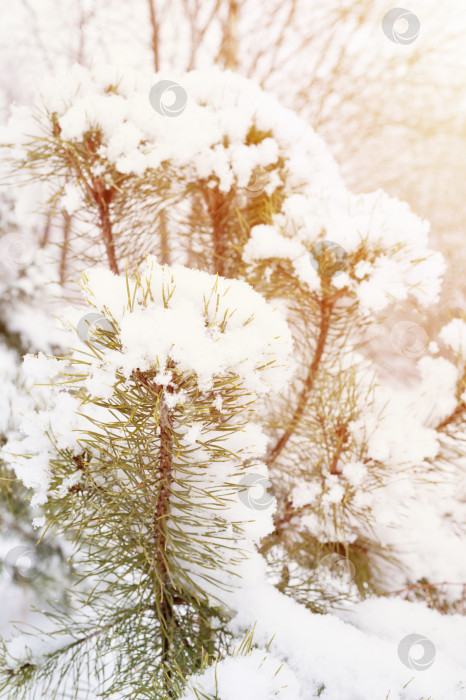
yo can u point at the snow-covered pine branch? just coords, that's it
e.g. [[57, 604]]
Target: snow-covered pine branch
[[157, 435], [237, 185]]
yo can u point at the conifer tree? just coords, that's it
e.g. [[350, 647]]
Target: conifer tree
[[189, 409]]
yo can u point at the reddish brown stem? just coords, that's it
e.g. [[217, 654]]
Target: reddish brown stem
[[161, 514], [326, 306], [102, 198], [229, 49], [164, 245], [415, 586], [64, 251], [457, 413], [46, 233], [342, 433], [166, 478], [325, 314], [217, 206], [107, 235], [155, 34]]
